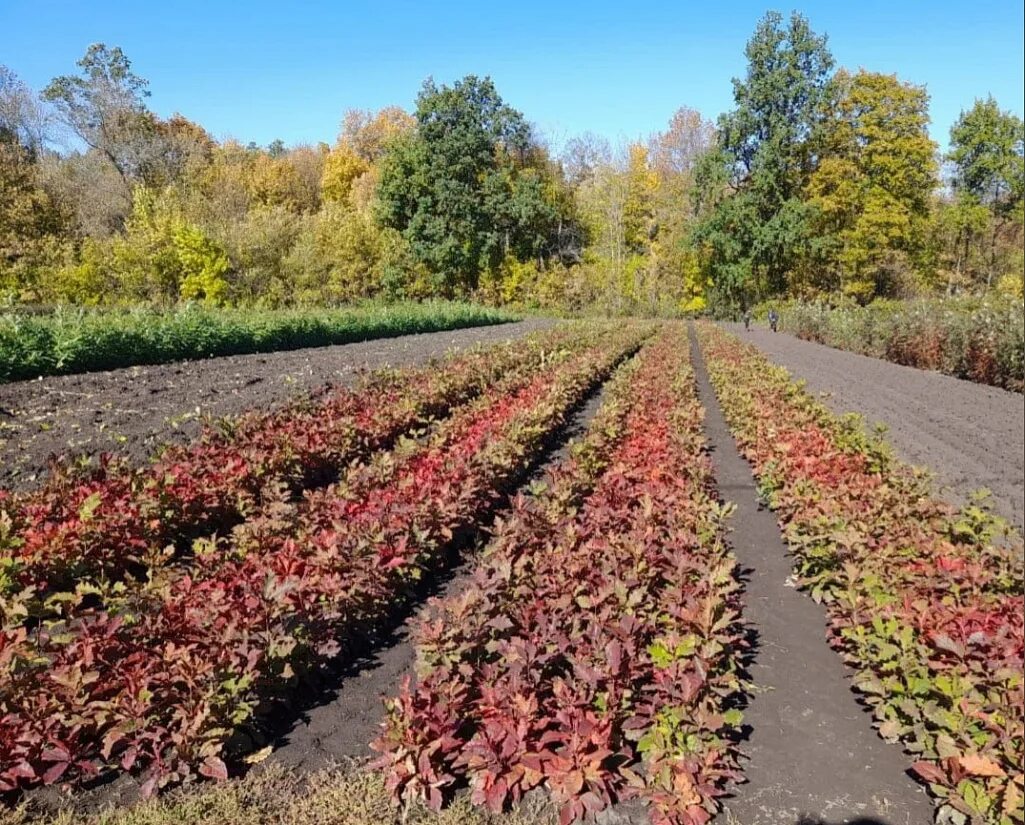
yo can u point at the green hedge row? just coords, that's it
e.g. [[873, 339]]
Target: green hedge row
[[77, 340], [980, 340]]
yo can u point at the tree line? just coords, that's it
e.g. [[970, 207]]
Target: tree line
[[820, 181]]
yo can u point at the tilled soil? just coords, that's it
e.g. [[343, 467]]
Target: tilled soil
[[970, 435], [811, 754], [132, 411]]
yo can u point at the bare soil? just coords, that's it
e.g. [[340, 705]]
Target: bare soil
[[810, 754], [132, 411], [969, 435]]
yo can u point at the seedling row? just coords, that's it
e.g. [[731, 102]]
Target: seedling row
[[595, 651]]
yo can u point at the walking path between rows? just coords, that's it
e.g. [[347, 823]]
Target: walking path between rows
[[812, 755], [970, 435]]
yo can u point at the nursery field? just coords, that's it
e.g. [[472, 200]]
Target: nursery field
[[970, 436], [529, 581], [133, 410]]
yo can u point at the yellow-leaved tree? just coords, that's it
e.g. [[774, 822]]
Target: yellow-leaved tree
[[362, 142], [871, 189], [162, 257]]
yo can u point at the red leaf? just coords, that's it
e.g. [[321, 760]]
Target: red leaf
[[214, 768], [55, 772], [930, 772]]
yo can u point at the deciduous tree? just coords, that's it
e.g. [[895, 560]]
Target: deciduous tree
[[988, 155], [459, 187], [872, 187], [755, 236], [105, 107]]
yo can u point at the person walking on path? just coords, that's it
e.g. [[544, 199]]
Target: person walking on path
[[747, 320], [773, 319]]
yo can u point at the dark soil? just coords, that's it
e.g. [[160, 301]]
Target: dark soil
[[811, 754], [132, 411], [970, 435]]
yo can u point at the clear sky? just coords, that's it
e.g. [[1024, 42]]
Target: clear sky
[[259, 70]]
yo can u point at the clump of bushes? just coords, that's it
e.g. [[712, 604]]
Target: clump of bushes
[[79, 340], [978, 339]]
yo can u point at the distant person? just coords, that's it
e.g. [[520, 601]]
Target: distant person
[[773, 319], [747, 320]]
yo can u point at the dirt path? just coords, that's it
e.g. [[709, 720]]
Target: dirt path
[[131, 411], [812, 754], [969, 435]]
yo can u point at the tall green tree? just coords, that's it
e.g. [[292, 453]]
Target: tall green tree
[[105, 107], [458, 187], [987, 151], [754, 236], [987, 148], [872, 186]]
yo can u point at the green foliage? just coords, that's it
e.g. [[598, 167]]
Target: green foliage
[[988, 212], [980, 340], [829, 184], [462, 188], [70, 341], [988, 155], [812, 184], [754, 237]]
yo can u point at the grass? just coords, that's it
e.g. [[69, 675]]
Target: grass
[[78, 340], [273, 796]]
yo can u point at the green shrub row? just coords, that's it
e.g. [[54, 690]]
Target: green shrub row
[[76, 340], [980, 340]]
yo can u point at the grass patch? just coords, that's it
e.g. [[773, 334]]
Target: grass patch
[[273, 796]]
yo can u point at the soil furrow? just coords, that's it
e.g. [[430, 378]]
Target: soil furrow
[[811, 754]]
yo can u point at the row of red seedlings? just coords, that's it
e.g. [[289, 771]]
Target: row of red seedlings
[[157, 677], [926, 603], [596, 650], [116, 522]]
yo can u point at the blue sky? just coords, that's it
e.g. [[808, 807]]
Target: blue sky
[[261, 70]]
